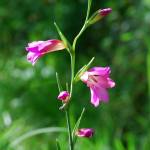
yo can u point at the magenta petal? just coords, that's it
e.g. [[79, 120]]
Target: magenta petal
[[103, 94], [34, 46], [102, 71], [33, 57], [111, 83], [64, 96], [38, 48], [98, 94], [94, 96]]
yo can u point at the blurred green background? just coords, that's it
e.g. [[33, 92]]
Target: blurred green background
[[28, 94]]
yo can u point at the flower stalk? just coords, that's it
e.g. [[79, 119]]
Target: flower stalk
[[97, 78]]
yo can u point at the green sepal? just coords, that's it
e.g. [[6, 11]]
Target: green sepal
[[63, 38], [82, 70], [94, 18]]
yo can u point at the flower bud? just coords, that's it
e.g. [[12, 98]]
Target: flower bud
[[85, 132], [64, 96], [99, 14]]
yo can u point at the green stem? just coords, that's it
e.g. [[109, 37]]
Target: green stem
[[72, 55], [148, 71], [67, 110], [79, 34], [69, 129], [72, 71]]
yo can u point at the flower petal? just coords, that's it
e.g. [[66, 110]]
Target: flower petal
[[38, 48], [111, 83], [94, 96], [103, 71], [33, 46], [103, 94], [33, 57]]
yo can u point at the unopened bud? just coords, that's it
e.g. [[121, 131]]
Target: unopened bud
[[98, 15], [64, 96], [85, 132]]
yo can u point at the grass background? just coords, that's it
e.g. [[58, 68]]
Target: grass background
[[28, 94]]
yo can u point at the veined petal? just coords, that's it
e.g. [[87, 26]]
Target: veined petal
[[103, 94], [98, 94], [94, 96], [33, 57], [111, 83], [33, 46], [45, 46], [104, 82], [102, 71], [38, 48], [50, 46]]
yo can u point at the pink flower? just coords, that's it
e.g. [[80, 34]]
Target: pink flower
[[64, 96], [85, 132], [98, 80], [105, 12], [38, 48]]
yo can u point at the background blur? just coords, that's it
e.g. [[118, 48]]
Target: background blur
[[28, 94]]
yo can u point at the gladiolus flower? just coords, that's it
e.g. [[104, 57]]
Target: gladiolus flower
[[38, 48], [98, 80], [64, 96], [85, 132]]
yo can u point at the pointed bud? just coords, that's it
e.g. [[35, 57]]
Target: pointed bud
[[99, 14], [85, 132], [64, 96]]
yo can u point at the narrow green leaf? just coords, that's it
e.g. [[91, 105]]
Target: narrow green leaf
[[36, 132], [57, 144], [58, 82], [63, 38], [77, 123]]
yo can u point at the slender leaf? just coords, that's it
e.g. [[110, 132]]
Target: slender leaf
[[77, 123], [36, 132], [57, 144], [63, 38]]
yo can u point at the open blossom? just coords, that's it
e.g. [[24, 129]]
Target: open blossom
[[98, 80], [38, 48], [64, 96], [85, 132]]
